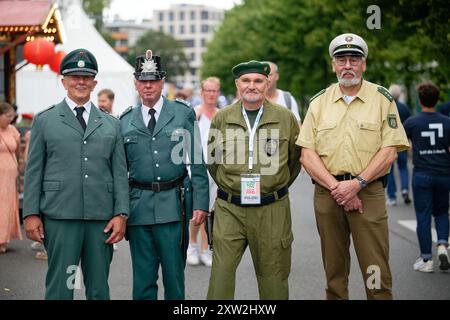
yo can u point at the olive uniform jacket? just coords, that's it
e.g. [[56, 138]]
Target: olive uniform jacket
[[73, 174], [162, 157], [276, 155]]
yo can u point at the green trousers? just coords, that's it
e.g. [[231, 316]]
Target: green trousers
[[69, 241], [369, 232], [267, 231], [152, 246]]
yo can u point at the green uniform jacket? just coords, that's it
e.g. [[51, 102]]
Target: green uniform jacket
[[75, 175], [159, 158], [228, 148]]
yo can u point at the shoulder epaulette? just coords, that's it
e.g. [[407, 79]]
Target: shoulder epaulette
[[317, 94], [385, 92], [125, 112], [183, 102], [49, 108]]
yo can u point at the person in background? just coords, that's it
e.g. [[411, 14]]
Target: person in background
[[9, 196], [402, 157], [429, 132], [205, 112], [106, 100], [278, 96]]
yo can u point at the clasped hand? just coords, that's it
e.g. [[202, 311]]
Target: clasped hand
[[345, 193]]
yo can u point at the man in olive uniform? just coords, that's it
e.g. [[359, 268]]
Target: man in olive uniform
[[253, 159], [159, 134], [349, 139], [76, 188]]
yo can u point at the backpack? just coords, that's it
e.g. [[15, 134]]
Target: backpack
[[287, 98]]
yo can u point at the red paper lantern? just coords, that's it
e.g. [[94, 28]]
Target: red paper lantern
[[55, 61], [39, 51]]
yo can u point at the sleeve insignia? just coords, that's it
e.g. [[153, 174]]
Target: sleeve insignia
[[392, 121]]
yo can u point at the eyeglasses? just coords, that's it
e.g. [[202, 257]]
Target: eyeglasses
[[342, 61]]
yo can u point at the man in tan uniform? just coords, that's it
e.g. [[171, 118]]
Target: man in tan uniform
[[349, 139], [253, 159]]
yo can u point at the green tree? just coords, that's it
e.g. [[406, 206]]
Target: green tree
[[411, 45], [173, 58]]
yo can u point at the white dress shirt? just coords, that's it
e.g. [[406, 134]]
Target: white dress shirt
[[87, 106], [158, 106]]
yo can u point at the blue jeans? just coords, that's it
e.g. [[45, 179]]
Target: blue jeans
[[402, 160], [431, 196]]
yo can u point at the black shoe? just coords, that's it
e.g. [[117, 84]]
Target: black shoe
[[406, 198]]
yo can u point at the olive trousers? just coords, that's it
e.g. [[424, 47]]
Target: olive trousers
[[267, 231], [370, 236]]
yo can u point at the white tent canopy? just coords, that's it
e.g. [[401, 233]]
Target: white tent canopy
[[36, 90]]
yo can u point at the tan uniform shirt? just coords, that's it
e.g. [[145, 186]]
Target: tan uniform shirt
[[276, 155], [346, 137]]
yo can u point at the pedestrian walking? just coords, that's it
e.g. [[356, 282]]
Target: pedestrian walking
[[429, 132]]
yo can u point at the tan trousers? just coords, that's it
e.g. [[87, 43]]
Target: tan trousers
[[369, 232], [267, 230]]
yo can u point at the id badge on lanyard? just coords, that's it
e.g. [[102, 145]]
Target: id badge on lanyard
[[251, 182]]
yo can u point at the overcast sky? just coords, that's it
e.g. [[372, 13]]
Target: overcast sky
[[140, 9]]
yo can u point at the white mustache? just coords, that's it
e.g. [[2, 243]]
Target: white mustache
[[343, 73]]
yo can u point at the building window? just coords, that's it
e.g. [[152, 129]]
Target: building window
[[203, 43], [193, 70], [192, 15], [204, 28], [189, 43], [192, 28], [182, 15], [205, 15], [171, 16], [161, 16], [181, 29], [171, 29], [192, 56]]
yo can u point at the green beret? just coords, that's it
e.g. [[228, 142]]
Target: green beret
[[252, 66], [79, 62]]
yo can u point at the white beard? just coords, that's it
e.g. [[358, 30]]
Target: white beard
[[348, 82]]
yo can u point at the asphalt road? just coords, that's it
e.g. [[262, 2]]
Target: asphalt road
[[23, 277]]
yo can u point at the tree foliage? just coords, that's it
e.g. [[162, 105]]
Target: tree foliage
[[94, 8], [173, 58], [411, 45]]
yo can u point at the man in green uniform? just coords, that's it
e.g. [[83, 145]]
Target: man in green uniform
[[159, 136], [253, 159], [349, 139], [76, 190]]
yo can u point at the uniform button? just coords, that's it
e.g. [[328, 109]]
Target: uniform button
[[84, 142], [155, 152], [86, 176], [128, 140], [159, 178], [153, 138], [85, 159], [157, 165]]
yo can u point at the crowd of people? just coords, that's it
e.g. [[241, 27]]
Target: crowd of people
[[155, 173]]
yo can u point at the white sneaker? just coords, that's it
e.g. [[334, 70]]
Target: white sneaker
[[192, 257], [206, 258], [391, 202], [423, 266], [443, 258]]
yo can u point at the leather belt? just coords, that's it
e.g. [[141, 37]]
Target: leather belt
[[157, 186], [265, 200]]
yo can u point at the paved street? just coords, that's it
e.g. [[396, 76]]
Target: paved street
[[22, 276]]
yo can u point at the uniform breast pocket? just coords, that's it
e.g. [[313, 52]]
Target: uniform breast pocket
[[369, 136], [326, 138], [131, 147]]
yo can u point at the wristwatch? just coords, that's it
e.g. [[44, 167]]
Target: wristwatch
[[362, 182]]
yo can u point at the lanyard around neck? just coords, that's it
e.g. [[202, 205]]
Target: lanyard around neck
[[251, 135]]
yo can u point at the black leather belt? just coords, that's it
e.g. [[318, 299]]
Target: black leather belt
[[349, 176], [265, 200], [157, 186]]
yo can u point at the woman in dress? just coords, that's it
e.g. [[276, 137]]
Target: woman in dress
[[9, 196]]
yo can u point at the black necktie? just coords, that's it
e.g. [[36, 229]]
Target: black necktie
[[152, 123], [80, 118]]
